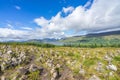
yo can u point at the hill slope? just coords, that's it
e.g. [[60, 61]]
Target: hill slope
[[106, 38]]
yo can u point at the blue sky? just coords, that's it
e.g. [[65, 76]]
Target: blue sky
[[30, 9], [36, 19]]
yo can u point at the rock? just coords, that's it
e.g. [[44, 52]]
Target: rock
[[0, 54], [3, 78], [49, 63], [54, 75], [107, 58], [3, 66], [82, 72], [15, 77], [111, 54], [1, 72], [111, 67], [94, 77], [14, 61], [33, 68], [23, 77], [41, 70], [83, 56], [23, 71], [9, 52], [52, 70], [99, 67], [58, 66], [111, 73]]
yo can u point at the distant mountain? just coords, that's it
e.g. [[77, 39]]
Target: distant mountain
[[43, 40], [104, 33], [46, 40], [105, 37], [112, 37]]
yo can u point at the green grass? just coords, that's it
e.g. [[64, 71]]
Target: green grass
[[117, 58]]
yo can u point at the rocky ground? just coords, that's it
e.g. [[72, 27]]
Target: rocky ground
[[60, 63]]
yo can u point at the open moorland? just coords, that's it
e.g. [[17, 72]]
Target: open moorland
[[25, 62]]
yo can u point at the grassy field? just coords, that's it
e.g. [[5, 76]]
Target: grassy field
[[23, 62]]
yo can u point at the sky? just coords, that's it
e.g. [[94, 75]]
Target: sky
[[38, 19]]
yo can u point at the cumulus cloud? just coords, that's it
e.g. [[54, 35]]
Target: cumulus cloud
[[6, 33], [98, 16], [102, 15], [68, 9]]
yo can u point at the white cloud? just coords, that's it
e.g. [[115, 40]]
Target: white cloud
[[41, 21], [102, 15], [26, 28], [6, 33], [18, 7], [88, 4], [68, 9], [9, 25]]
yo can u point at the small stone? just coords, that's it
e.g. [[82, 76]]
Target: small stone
[[9, 52], [15, 77], [111, 73], [0, 54], [52, 70], [3, 66], [111, 67], [94, 77], [23, 71], [58, 65], [54, 75], [33, 68], [107, 58], [82, 71], [99, 67], [24, 77], [3, 78]]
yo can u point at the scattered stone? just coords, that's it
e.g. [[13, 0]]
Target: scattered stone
[[23, 71], [94, 77], [3, 66], [107, 58], [3, 77], [9, 52], [23, 77], [111, 67], [111, 73], [33, 67], [82, 71], [99, 67]]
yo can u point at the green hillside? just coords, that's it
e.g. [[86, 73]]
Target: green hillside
[[108, 40]]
